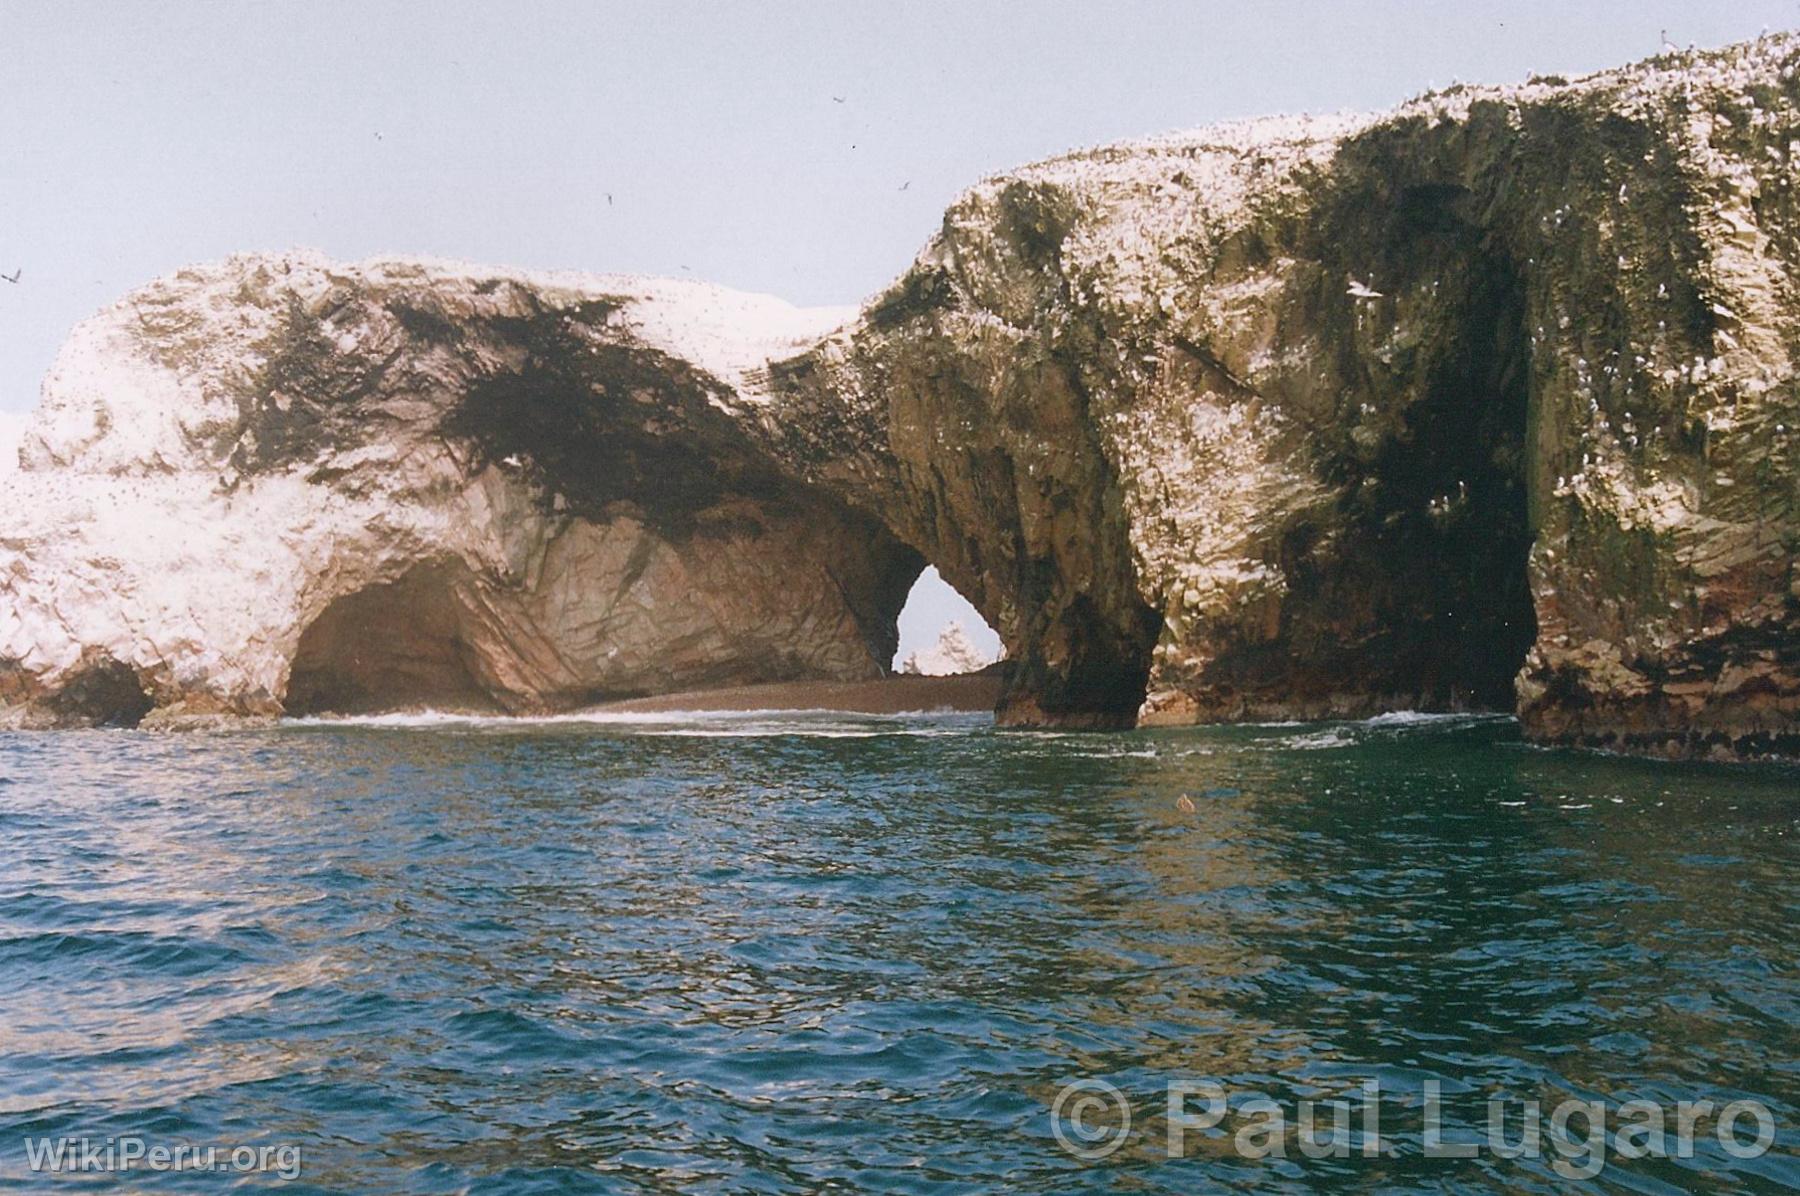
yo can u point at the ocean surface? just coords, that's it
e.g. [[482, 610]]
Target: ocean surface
[[817, 952]]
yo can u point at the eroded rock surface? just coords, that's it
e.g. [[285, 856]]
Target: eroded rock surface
[[1486, 402], [281, 485], [1490, 395]]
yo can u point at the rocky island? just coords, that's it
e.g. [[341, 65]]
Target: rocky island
[[1485, 402]]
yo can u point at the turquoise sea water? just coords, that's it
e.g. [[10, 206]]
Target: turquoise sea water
[[839, 953]]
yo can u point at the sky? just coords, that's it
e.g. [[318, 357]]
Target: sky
[[806, 150]]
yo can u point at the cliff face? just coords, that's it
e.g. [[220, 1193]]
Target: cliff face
[[1489, 396], [281, 485], [1485, 402]]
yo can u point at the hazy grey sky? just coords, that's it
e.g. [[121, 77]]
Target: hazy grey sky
[[136, 137]]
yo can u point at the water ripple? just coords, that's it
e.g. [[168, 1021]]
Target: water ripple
[[779, 952]]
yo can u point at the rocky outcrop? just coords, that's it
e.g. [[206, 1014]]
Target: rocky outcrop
[[1485, 402], [952, 654], [1489, 397], [285, 486]]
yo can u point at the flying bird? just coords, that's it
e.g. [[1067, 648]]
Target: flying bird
[[14, 276], [1362, 290], [837, 99], [906, 184]]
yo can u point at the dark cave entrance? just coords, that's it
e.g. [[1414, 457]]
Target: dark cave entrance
[[1441, 512], [393, 646], [103, 692]]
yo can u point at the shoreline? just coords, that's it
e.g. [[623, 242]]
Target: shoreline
[[900, 694]]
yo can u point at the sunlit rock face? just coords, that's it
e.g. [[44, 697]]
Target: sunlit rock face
[[1486, 401], [283, 485]]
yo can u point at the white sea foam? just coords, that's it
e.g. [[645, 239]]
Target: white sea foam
[[694, 724], [1413, 718], [1331, 737], [825, 723]]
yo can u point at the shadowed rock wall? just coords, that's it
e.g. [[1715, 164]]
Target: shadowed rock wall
[[1487, 402]]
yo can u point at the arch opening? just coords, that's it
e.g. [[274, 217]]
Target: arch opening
[[941, 633]]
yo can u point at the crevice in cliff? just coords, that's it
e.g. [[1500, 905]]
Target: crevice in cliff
[[393, 646], [1410, 590], [1453, 512], [1439, 517]]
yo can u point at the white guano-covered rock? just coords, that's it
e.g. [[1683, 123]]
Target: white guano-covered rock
[[282, 484]]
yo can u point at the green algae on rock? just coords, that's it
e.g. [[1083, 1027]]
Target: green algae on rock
[[1487, 402], [1303, 418]]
